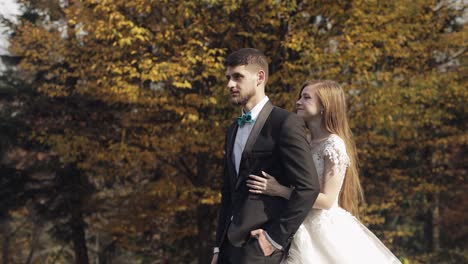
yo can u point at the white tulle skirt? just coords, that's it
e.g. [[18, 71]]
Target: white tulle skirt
[[335, 236]]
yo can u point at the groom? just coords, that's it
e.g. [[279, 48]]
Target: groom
[[259, 228]]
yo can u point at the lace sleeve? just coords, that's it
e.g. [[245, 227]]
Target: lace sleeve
[[336, 159]]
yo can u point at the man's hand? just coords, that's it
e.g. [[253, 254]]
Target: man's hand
[[264, 243], [214, 260]]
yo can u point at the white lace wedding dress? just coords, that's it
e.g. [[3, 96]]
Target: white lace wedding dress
[[335, 236]]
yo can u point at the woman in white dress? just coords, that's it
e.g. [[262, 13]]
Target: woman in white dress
[[330, 233]]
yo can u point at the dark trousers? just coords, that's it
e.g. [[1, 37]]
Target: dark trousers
[[249, 253]]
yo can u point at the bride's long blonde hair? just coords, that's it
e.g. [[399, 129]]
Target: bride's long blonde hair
[[335, 121]]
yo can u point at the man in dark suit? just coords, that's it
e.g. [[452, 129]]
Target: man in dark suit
[[259, 228]]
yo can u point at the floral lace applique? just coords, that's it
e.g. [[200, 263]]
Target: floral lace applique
[[335, 149]]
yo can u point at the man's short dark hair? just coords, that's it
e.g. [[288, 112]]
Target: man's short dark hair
[[247, 56]]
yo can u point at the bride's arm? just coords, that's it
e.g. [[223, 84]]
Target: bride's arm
[[333, 175], [267, 185], [270, 186], [328, 194]]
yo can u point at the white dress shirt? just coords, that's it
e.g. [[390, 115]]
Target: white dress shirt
[[244, 132]]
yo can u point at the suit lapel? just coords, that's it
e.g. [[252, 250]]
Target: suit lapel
[[259, 123], [229, 152]]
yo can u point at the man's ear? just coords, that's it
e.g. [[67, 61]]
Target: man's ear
[[260, 77]]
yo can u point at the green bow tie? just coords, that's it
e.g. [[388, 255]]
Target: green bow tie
[[245, 118]]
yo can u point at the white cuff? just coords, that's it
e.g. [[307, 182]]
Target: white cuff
[[215, 250], [276, 245]]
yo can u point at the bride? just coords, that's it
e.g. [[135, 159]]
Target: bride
[[330, 233]]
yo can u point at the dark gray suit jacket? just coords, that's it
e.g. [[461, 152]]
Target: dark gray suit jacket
[[277, 145]]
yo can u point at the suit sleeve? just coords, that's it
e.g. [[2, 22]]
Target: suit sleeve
[[224, 211], [302, 175]]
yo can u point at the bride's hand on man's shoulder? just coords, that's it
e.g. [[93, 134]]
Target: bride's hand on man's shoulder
[[265, 184]]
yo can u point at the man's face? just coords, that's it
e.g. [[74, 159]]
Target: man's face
[[242, 83]]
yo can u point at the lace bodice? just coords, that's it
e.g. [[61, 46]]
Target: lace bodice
[[333, 149]]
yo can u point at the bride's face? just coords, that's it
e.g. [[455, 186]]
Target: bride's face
[[308, 106]]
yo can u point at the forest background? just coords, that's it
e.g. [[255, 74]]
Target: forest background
[[113, 113]]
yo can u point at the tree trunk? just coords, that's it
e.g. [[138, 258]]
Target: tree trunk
[[37, 227], [436, 224], [5, 229], [76, 187], [97, 249], [205, 215], [106, 254], [78, 237], [435, 213], [204, 220]]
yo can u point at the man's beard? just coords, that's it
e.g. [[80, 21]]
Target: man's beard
[[242, 100]]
